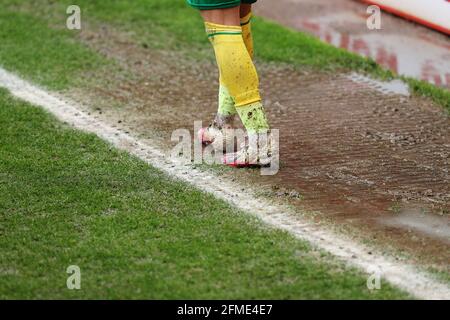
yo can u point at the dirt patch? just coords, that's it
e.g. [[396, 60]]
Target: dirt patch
[[352, 153]]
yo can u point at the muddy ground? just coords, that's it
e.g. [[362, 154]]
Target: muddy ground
[[374, 165]]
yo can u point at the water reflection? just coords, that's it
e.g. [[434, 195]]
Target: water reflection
[[401, 46]]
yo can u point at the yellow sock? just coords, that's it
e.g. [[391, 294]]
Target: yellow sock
[[253, 117], [246, 25], [226, 103], [238, 74], [237, 71]]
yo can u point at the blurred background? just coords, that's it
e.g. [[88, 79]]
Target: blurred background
[[413, 39]]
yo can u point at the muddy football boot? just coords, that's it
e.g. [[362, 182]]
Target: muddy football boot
[[257, 151], [220, 133]]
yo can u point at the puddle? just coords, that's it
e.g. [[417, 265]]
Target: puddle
[[413, 218], [404, 47], [392, 87]]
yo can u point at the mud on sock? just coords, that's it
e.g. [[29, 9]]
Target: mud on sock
[[253, 116], [237, 71], [226, 103]]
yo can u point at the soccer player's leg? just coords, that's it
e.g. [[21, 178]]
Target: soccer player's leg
[[220, 131], [226, 107], [239, 76]]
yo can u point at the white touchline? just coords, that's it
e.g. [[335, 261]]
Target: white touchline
[[405, 276]]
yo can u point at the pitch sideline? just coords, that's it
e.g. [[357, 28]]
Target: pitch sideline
[[404, 276]]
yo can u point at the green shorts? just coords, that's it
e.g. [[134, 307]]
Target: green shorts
[[216, 4]]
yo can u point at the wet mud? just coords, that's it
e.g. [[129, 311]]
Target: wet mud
[[359, 158]]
